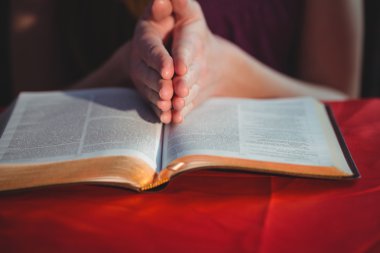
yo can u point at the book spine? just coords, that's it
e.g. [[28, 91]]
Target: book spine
[[154, 184]]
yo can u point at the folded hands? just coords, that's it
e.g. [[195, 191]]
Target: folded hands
[[171, 58]]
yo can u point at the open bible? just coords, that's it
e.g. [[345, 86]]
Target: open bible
[[111, 136]]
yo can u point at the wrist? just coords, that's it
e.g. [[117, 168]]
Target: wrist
[[225, 54], [117, 68]]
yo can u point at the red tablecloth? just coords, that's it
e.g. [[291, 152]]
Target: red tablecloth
[[210, 211]]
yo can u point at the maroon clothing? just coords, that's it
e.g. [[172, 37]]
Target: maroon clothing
[[266, 29]]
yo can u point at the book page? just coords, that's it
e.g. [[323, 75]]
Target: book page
[[276, 130], [59, 126]]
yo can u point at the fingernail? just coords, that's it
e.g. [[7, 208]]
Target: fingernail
[[163, 119], [166, 74], [164, 94]]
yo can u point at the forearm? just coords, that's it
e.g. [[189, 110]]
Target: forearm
[[331, 43], [244, 76], [114, 72]]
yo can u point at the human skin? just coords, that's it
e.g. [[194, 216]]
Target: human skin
[[195, 69]]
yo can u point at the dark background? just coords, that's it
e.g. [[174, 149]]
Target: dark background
[[371, 59], [5, 78], [371, 54]]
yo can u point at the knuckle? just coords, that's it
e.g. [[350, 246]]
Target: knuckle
[[154, 50]]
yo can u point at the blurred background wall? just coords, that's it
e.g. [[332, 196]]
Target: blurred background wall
[[371, 59], [5, 72]]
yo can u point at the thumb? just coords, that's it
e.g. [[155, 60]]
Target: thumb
[[159, 10], [187, 10]]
